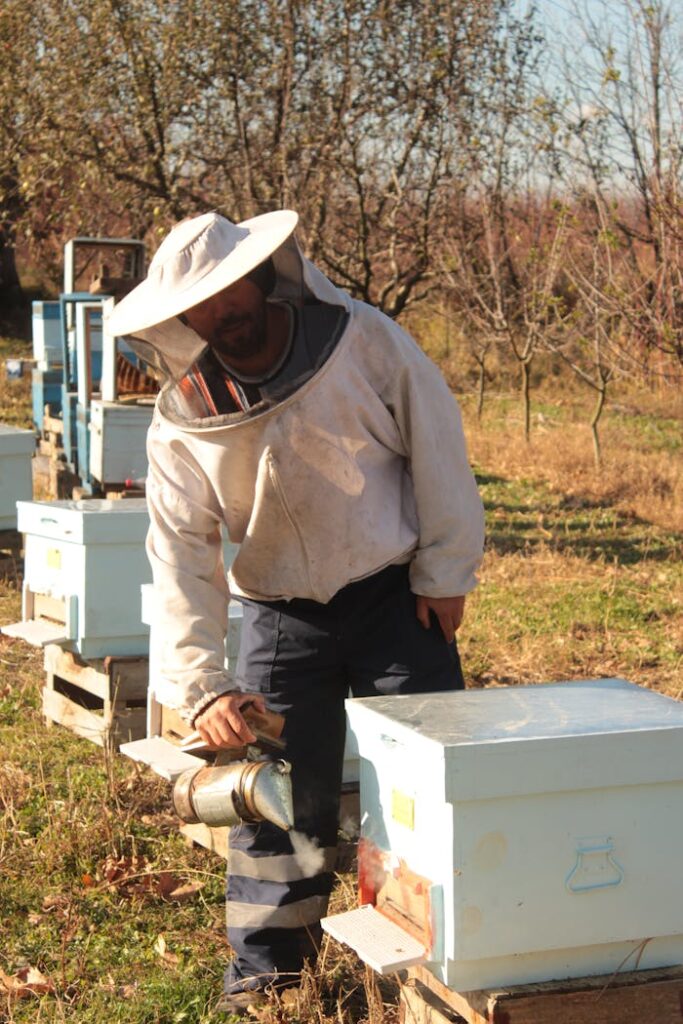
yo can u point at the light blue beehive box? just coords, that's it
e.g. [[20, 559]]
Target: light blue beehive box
[[547, 821], [16, 452], [46, 332], [84, 564]]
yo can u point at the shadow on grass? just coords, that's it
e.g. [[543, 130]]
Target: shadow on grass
[[523, 516]]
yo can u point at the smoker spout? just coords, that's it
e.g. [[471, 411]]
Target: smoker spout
[[239, 791]]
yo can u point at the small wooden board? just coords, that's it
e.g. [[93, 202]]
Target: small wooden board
[[644, 997], [380, 942], [103, 700], [214, 839]]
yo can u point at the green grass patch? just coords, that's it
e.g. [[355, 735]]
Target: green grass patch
[[573, 586]]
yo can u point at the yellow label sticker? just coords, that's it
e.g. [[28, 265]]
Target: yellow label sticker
[[403, 809], [54, 558]]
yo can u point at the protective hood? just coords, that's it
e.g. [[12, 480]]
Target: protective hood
[[171, 347]]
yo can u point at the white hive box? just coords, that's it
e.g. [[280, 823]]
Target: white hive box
[[163, 756], [16, 451], [84, 564], [547, 822], [47, 334], [118, 436]]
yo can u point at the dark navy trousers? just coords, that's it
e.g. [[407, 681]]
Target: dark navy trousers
[[306, 658]]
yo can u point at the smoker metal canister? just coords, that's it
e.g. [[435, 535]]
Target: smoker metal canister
[[239, 791]]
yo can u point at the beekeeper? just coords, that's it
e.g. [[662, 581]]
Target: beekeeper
[[318, 432]]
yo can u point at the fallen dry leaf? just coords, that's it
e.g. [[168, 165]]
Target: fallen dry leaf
[[123, 991], [166, 883], [185, 892], [27, 982], [127, 991], [161, 950], [135, 876], [55, 902], [162, 820], [118, 871]]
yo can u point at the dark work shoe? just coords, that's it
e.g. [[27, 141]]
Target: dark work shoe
[[241, 1004]]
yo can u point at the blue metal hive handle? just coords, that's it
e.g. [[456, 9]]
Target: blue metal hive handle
[[606, 848]]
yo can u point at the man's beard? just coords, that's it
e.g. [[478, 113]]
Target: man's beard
[[239, 337]]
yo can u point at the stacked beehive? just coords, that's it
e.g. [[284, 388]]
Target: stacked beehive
[[84, 565]]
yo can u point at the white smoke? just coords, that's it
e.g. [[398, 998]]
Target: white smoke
[[309, 857], [349, 826]]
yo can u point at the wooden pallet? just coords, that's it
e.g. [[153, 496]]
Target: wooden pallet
[[103, 700], [644, 997], [52, 428]]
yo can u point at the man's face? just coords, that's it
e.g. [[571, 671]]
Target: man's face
[[233, 321]]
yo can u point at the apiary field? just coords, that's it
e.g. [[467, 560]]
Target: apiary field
[[108, 915]]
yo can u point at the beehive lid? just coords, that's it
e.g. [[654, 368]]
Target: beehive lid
[[14, 441], [92, 520], [596, 732]]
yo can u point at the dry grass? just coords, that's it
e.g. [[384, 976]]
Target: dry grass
[[583, 577], [565, 617], [633, 480], [15, 395]]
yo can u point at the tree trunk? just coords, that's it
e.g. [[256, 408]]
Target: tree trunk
[[597, 412], [480, 389], [526, 404], [14, 318], [9, 277]]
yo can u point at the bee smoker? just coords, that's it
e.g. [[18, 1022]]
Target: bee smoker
[[254, 785]]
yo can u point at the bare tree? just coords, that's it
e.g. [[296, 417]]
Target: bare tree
[[15, 107], [503, 256], [356, 112], [625, 127]]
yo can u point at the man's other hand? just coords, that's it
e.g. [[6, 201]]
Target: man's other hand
[[448, 610], [222, 724]]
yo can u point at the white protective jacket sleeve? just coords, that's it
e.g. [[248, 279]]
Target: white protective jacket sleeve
[[449, 508], [191, 595]]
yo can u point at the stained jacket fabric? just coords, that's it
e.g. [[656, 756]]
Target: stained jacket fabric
[[363, 465]]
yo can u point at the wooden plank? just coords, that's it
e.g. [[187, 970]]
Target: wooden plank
[[643, 996], [214, 839], [36, 632], [69, 666], [173, 727], [112, 678], [612, 1000], [123, 493], [382, 944], [52, 424], [122, 725], [129, 676], [162, 757], [47, 607], [82, 721], [420, 1006], [128, 724]]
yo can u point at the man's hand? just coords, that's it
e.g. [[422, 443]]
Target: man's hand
[[448, 610], [222, 724]]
